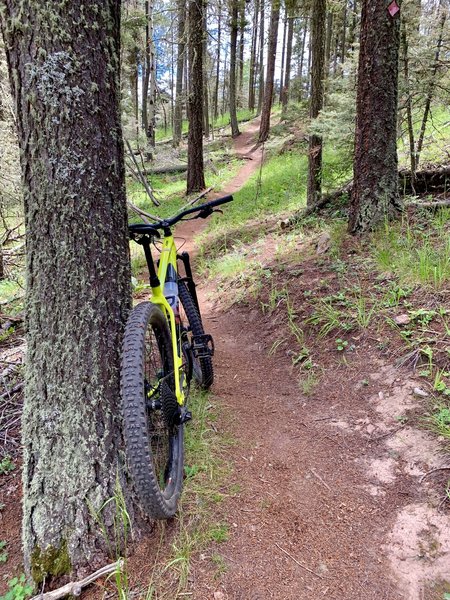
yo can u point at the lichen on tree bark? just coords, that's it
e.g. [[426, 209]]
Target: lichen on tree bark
[[64, 61]]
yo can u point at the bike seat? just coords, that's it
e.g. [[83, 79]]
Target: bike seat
[[144, 229]]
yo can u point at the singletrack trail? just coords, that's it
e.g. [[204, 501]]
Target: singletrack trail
[[315, 516]]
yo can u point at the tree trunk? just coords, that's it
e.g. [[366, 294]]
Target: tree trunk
[[219, 33], [409, 111], [375, 192], [78, 275], [316, 100], [283, 53], [241, 52], [133, 87], [261, 60], [271, 55], [287, 75], [150, 133], [432, 84], [146, 71], [328, 40], [251, 83], [225, 86], [302, 60], [353, 25], [344, 34], [233, 43], [195, 174], [178, 115], [205, 76]]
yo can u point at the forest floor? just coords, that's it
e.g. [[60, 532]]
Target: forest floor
[[325, 487]]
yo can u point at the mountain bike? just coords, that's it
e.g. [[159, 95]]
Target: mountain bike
[[164, 349]]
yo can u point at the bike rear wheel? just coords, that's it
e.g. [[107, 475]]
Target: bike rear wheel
[[202, 367], [151, 417]]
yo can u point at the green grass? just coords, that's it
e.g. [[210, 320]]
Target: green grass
[[415, 253], [242, 115], [171, 190], [163, 134], [204, 486], [439, 421]]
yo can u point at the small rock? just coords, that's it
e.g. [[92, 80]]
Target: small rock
[[370, 429], [402, 319], [323, 243], [381, 395], [219, 596], [283, 223], [420, 392]]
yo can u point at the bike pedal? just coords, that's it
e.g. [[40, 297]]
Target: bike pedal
[[203, 346]]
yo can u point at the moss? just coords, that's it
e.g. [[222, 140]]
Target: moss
[[53, 562]]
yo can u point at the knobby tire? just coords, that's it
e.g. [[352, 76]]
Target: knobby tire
[[153, 437]]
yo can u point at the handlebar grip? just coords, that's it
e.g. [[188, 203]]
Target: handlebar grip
[[216, 202]]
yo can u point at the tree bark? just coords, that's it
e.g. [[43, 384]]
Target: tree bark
[[283, 53], [233, 47], [78, 274], [302, 60], [178, 115], [150, 131], [251, 83], [205, 76], [195, 174], [409, 110], [287, 75], [316, 100], [241, 52], [219, 33], [344, 34], [146, 71], [329, 37], [271, 55], [261, 60], [375, 193]]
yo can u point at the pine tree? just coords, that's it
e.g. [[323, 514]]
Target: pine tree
[[78, 275], [195, 173], [375, 185]]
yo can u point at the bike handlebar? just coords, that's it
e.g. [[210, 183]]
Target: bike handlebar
[[204, 210]]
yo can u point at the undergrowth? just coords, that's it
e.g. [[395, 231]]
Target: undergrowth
[[205, 487]]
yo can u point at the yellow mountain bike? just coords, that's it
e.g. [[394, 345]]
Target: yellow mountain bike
[[164, 348]]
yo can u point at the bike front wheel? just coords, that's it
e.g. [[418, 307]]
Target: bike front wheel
[[152, 430]]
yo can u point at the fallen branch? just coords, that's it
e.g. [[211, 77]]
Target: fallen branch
[[434, 471], [74, 588], [140, 175], [317, 476], [437, 204], [145, 215], [196, 199], [296, 562], [387, 434], [425, 181], [165, 170]]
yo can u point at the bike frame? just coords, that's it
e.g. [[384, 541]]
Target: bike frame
[[168, 257]]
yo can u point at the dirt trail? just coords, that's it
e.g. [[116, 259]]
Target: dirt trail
[[330, 504]]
